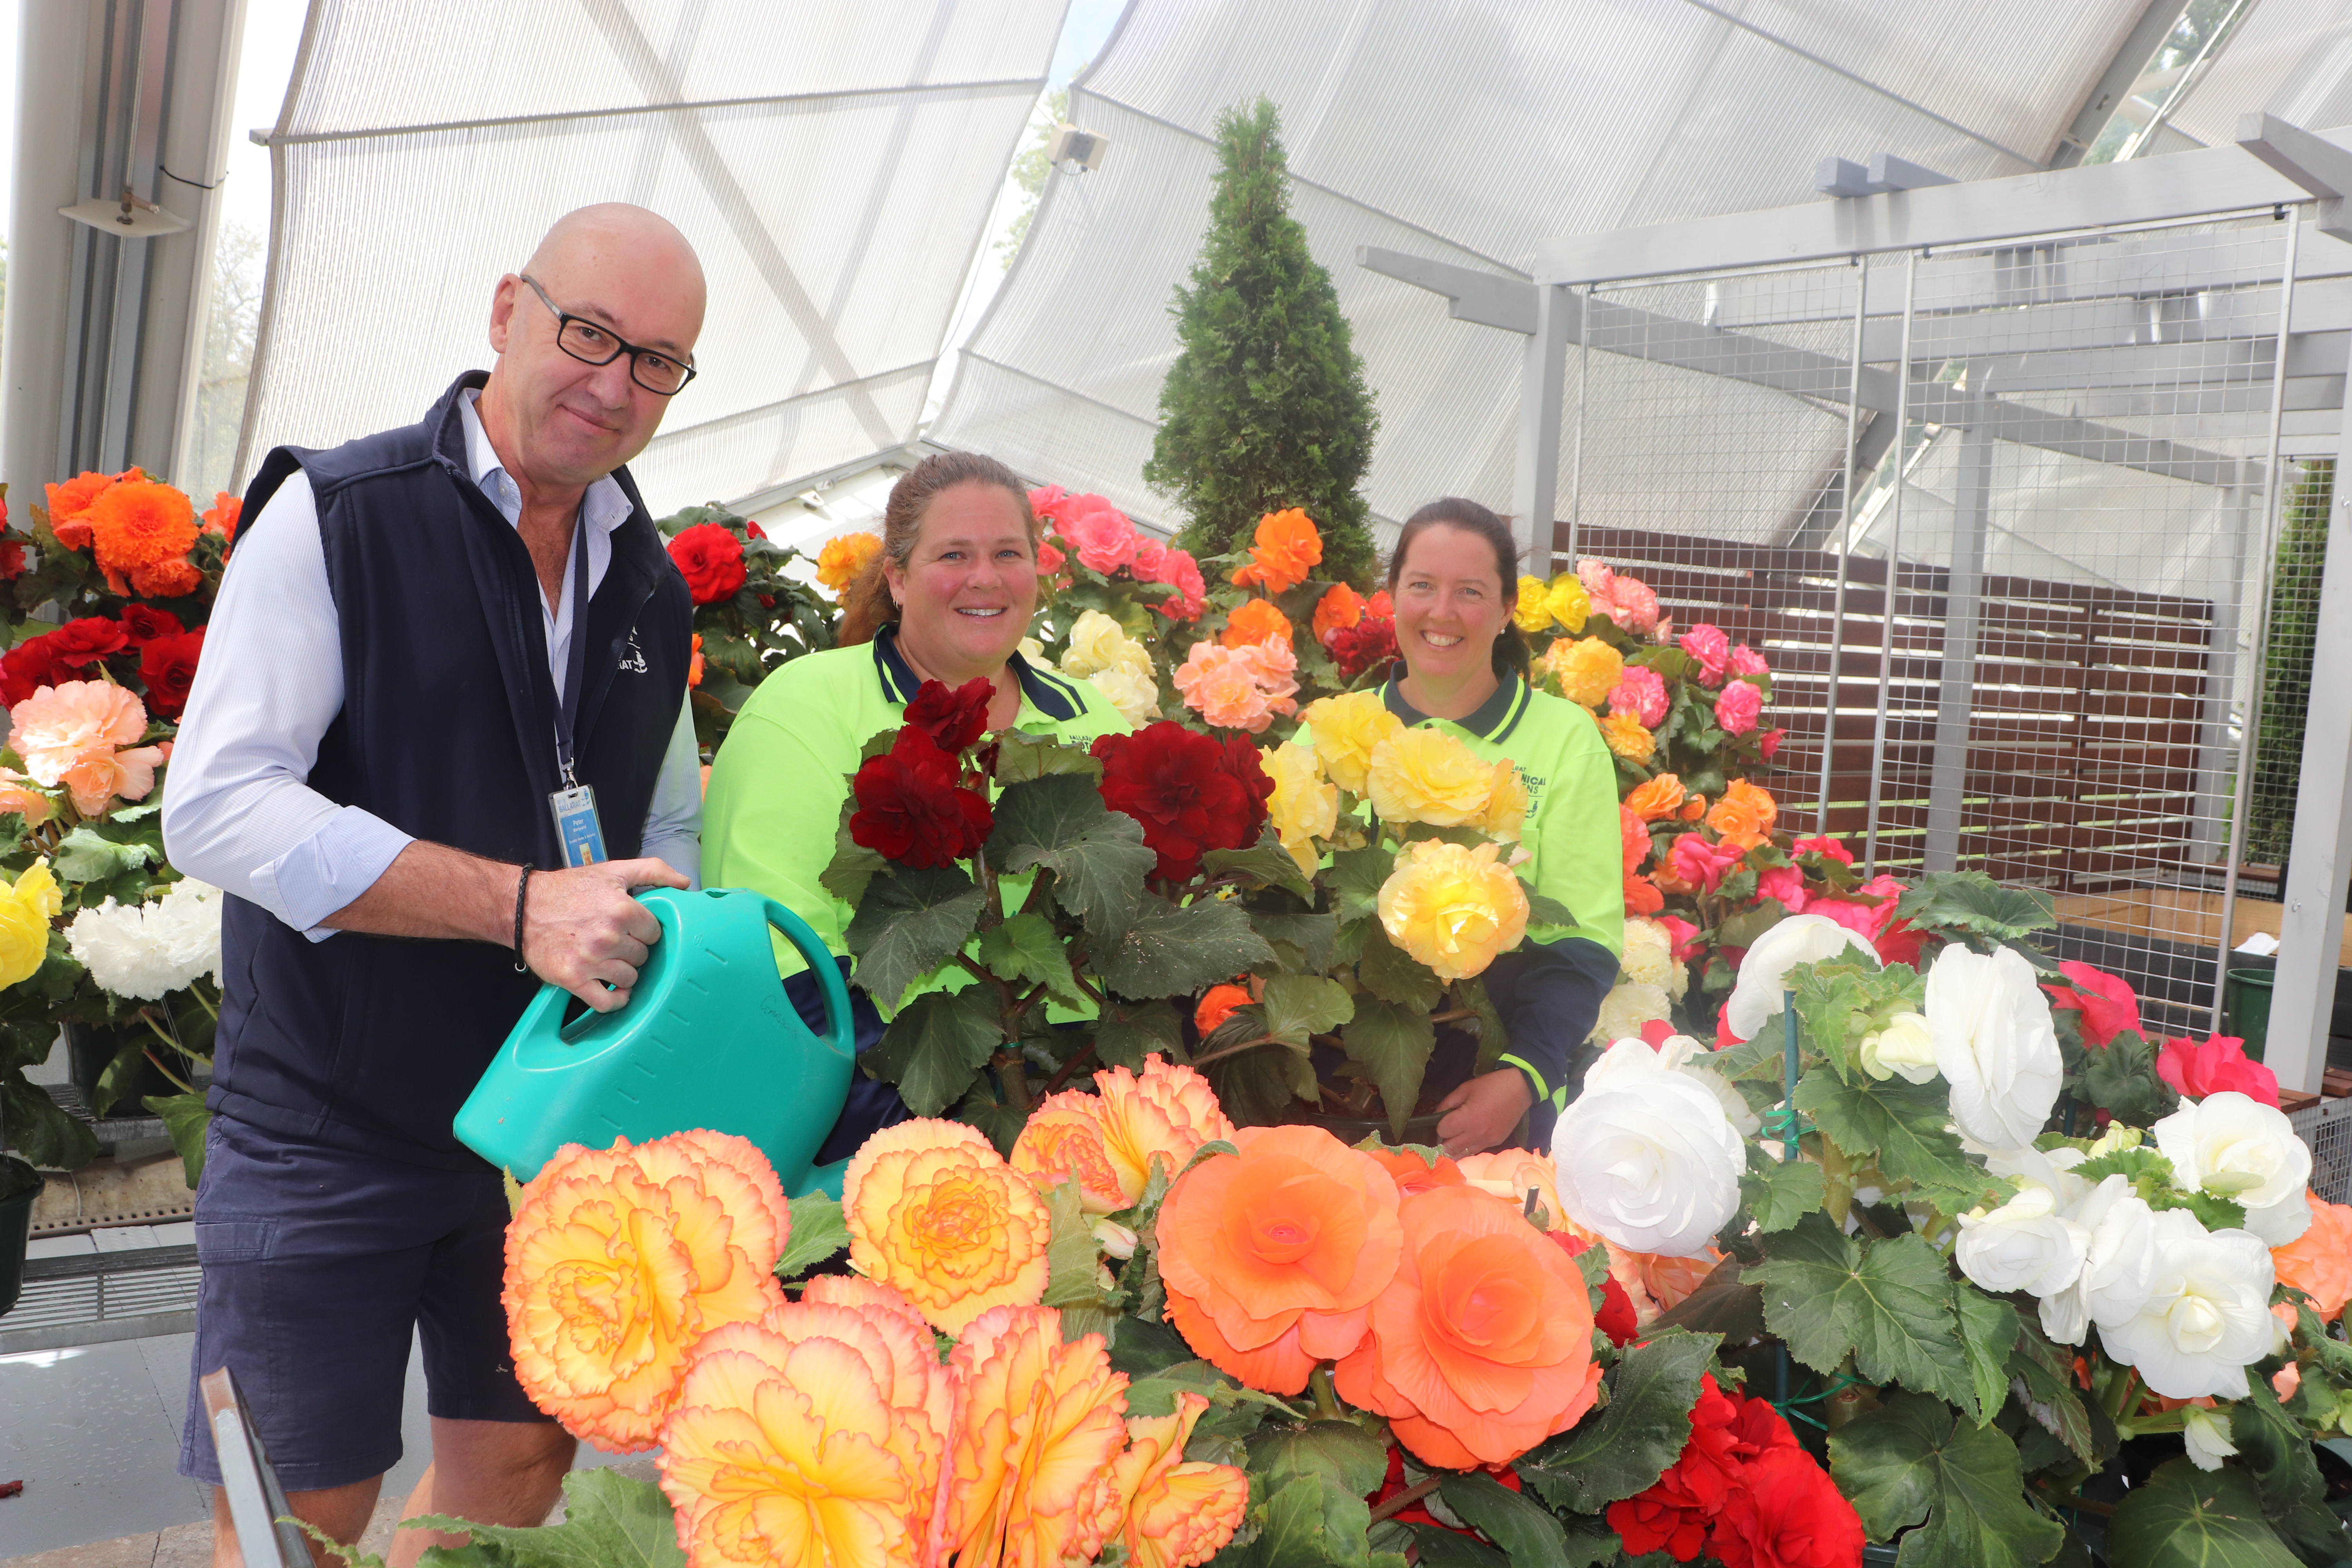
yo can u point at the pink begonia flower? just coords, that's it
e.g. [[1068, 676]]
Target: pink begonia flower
[[1711, 649], [1746, 660], [2107, 1003], [1103, 539], [1630, 604], [1663, 634], [1181, 572], [1274, 665], [1785, 883], [1737, 709], [1700, 863], [1657, 1032], [1824, 845], [1681, 933], [1596, 576], [1151, 559], [1239, 687], [1640, 693], [1767, 745], [71, 734], [1724, 1037], [1050, 559], [2211, 1066]]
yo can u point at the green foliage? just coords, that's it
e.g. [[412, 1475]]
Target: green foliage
[[185, 1121], [1957, 1489], [2296, 577], [610, 1520], [819, 1232], [1971, 909], [1340, 1454], [2122, 1078], [2277, 1452], [1302, 1524], [2047, 1372], [1627, 1445], [1780, 1193], [1266, 405], [1393, 1044], [2189, 1518], [934, 1047], [1182, 950], [1531, 1537], [1905, 1126], [1126, 1033], [1096, 855], [911, 921], [1026, 949]]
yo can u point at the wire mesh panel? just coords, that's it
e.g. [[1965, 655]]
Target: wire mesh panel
[[2041, 600]]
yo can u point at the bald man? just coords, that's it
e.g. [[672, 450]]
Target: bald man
[[448, 665]]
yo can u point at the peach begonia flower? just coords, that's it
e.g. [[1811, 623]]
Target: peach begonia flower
[[937, 1214], [1347, 730], [30, 804], [1174, 1512], [1627, 738], [2319, 1261], [1284, 554], [1338, 608], [1743, 818], [842, 559], [1415, 1173], [818, 1435], [1670, 1280], [1167, 1111], [1030, 1477], [619, 1261], [1238, 688], [1273, 1257], [1453, 908], [693, 663], [75, 733], [1428, 775], [1481, 1345], [1515, 1176], [1275, 665], [1063, 1142], [1658, 799]]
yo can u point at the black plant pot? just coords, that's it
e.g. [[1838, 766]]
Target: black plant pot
[[90, 1047], [19, 1186]]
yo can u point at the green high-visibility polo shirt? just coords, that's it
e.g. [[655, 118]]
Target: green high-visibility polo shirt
[[777, 784]]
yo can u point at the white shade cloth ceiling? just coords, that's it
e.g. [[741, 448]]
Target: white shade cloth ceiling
[[832, 165]]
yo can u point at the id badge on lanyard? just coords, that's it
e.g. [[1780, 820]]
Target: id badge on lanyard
[[574, 806]]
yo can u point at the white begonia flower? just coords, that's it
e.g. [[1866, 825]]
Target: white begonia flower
[[1994, 1043], [146, 951], [1684, 1054], [1136, 696], [2053, 1171], [1629, 1004], [1758, 997], [1649, 955], [2237, 1148], [1098, 643], [1647, 1156], [2118, 1264], [2207, 1317], [2024, 1244], [1904, 1047], [2206, 1432]]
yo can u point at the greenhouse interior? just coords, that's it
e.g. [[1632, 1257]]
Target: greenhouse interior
[[1526, 783]]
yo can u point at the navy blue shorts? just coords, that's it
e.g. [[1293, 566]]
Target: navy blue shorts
[[318, 1264]]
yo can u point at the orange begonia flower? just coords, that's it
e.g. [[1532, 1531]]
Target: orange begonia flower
[[851, 1290], [68, 500], [1037, 1426], [1337, 609], [1743, 818], [1633, 838], [843, 558], [138, 527], [1642, 896], [1174, 1514], [2319, 1261], [1655, 800], [1253, 621], [1414, 1173], [1218, 1004], [818, 1435], [1167, 1110], [620, 1260], [222, 516], [1272, 1257], [1517, 1175], [1694, 808], [1482, 1346], [1670, 1280], [936, 1213], [693, 663], [1284, 555], [1063, 1142]]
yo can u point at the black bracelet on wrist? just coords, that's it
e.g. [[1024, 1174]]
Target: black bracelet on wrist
[[522, 886]]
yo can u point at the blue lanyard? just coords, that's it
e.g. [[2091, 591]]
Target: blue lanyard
[[567, 708]]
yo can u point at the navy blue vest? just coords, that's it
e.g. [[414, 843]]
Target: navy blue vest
[[447, 733]]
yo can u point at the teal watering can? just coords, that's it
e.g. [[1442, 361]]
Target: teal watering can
[[708, 1039]]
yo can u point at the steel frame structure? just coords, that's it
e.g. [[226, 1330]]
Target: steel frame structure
[[2118, 339]]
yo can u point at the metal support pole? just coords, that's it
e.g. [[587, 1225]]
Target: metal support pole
[[1583, 396], [1534, 472], [2216, 752], [1845, 546], [1893, 563], [1964, 585]]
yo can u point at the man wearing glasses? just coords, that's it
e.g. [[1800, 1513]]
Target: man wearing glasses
[[439, 735]]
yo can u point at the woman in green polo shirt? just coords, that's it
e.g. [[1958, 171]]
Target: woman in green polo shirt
[[947, 597], [1453, 579]]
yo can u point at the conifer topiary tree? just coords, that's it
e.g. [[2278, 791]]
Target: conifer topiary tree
[[1266, 405]]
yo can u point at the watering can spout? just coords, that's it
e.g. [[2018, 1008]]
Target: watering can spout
[[708, 1039]]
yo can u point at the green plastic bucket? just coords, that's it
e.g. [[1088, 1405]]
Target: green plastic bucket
[[2246, 1006]]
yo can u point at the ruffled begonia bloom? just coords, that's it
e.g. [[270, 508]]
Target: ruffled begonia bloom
[[842, 560], [620, 1260], [88, 640], [1658, 799], [816, 1434], [1174, 1512], [953, 719], [137, 529], [1994, 1043], [1340, 608], [1347, 730], [1629, 1006], [1272, 1258], [1627, 739], [1674, 1513], [937, 1214], [1702, 864], [1455, 909], [1481, 1345], [1428, 775], [1099, 643], [2023, 1245], [1359, 648], [1738, 707], [1671, 1282], [1643, 896], [222, 516], [1647, 1156], [1784, 883], [27, 908], [1643, 694], [1905, 1047], [81, 734], [1030, 1474], [1177, 783], [167, 669], [1050, 562], [1566, 602], [1415, 1173], [1181, 572], [1103, 538], [17, 798], [1167, 1111], [866, 1295], [2207, 1317], [71, 499], [1743, 818], [2118, 1267], [1254, 620], [2237, 1148], [1514, 1175], [2198, 1068], [1710, 649], [2319, 1262], [1685, 1054], [1586, 670], [1062, 1141], [1305, 806], [1746, 660], [1786, 1512], [1767, 745], [148, 949], [911, 809], [1221, 685], [1135, 694], [1284, 554], [1634, 842], [1507, 802], [1649, 953], [710, 558], [2105, 1001], [1827, 848], [2206, 1435], [1528, 613], [1218, 1004]]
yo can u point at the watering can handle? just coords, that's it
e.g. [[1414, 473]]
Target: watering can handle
[[840, 1028]]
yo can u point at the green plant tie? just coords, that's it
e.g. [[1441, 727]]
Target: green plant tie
[[1785, 1123], [1786, 1405]]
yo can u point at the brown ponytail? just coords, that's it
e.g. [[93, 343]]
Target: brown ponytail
[[866, 608]]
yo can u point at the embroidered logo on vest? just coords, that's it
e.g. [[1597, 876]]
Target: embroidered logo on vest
[[634, 660]]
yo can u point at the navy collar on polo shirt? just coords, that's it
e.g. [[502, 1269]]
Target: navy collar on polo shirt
[[1051, 695], [1494, 718]]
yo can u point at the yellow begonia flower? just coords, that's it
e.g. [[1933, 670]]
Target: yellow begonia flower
[[1029, 1475], [1626, 737], [1507, 804], [1427, 775], [1455, 909], [1588, 670], [26, 910], [1177, 1512], [1564, 602], [1304, 805], [1346, 730], [935, 1212], [1531, 615]]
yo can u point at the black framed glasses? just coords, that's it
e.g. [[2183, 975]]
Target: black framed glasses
[[589, 343]]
